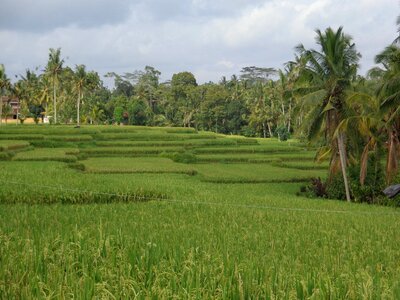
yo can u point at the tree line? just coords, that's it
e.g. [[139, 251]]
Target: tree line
[[319, 97], [253, 103]]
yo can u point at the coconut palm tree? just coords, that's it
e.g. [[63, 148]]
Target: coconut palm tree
[[53, 71], [80, 82], [5, 85], [329, 73], [363, 124], [389, 93]]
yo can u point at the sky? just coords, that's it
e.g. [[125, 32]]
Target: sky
[[210, 38]]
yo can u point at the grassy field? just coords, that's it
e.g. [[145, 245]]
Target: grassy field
[[102, 212]]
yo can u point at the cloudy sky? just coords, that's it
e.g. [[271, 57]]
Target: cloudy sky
[[210, 38]]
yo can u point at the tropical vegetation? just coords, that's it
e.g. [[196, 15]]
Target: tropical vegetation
[[319, 97]]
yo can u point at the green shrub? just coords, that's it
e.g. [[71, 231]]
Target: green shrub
[[248, 131], [282, 133], [316, 188], [374, 184]]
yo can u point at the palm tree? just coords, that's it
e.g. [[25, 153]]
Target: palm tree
[[96, 114], [53, 70], [363, 124], [4, 86], [80, 82], [329, 73], [42, 95], [397, 40], [389, 92]]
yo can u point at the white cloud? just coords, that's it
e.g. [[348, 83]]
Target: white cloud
[[226, 64], [209, 38]]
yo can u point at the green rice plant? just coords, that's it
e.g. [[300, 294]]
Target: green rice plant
[[306, 156], [247, 149], [6, 155], [246, 141], [210, 142], [70, 138], [237, 158], [52, 144], [180, 130], [22, 136], [163, 249], [253, 173], [132, 151], [156, 143], [46, 154], [12, 145], [150, 136], [49, 182], [111, 232], [77, 166], [128, 143], [186, 157], [117, 165], [303, 165]]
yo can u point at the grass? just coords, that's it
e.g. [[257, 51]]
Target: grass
[[253, 173], [48, 154], [303, 165], [6, 145], [184, 143], [118, 165], [131, 224], [249, 149], [257, 157], [132, 151]]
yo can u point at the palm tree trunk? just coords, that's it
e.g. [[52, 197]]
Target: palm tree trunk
[[77, 110], [342, 155], [264, 130], [1, 110], [269, 129], [391, 159], [289, 115], [54, 102]]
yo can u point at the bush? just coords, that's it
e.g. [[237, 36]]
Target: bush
[[282, 133], [316, 188], [335, 187], [248, 131], [374, 184], [370, 192]]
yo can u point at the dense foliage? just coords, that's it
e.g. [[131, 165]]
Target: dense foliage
[[318, 97]]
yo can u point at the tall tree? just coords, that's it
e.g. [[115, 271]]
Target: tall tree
[[256, 74], [389, 93], [53, 71], [329, 73], [5, 85], [183, 87], [80, 83]]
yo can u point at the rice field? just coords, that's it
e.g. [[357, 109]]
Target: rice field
[[137, 212]]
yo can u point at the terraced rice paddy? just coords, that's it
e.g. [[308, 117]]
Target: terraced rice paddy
[[113, 212]]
